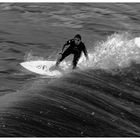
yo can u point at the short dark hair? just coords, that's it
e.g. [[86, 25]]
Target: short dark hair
[[78, 36]]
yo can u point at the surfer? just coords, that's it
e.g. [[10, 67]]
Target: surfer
[[74, 46]]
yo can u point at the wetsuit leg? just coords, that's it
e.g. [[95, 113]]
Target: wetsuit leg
[[64, 55], [76, 59]]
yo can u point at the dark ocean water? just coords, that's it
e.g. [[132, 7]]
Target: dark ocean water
[[102, 99]]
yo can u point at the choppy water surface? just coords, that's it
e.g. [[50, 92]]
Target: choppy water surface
[[101, 99]]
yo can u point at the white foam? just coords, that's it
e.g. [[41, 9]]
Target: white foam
[[137, 41], [118, 51]]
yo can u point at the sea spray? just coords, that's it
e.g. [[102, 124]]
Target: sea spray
[[118, 51], [29, 56]]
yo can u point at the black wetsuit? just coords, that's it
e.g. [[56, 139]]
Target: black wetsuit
[[76, 50]]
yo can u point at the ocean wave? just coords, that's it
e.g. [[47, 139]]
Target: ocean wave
[[100, 99], [82, 103]]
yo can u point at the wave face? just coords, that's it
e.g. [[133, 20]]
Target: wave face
[[101, 99], [87, 103]]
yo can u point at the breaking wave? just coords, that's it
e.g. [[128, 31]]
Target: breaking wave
[[92, 101]]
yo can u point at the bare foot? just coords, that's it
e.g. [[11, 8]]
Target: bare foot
[[54, 67]]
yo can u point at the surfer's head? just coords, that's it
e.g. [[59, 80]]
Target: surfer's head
[[77, 39]]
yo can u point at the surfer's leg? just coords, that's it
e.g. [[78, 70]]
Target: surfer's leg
[[75, 60], [63, 56]]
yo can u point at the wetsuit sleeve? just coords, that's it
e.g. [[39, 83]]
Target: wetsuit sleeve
[[85, 51], [67, 43]]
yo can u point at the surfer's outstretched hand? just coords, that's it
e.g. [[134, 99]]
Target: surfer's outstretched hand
[[60, 53]]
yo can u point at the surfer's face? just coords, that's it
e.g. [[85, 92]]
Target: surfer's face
[[77, 41]]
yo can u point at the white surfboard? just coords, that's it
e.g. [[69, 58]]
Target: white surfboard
[[43, 67]]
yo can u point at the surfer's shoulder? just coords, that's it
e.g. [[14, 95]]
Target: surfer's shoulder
[[82, 43]]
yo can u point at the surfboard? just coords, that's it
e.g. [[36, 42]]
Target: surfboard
[[44, 67]]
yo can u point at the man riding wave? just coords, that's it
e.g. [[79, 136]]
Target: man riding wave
[[75, 47]]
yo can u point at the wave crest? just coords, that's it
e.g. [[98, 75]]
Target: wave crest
[[118, 51]]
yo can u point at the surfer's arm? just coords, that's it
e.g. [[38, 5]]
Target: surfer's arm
[[63, 47], [85, 52], [67, 43]]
